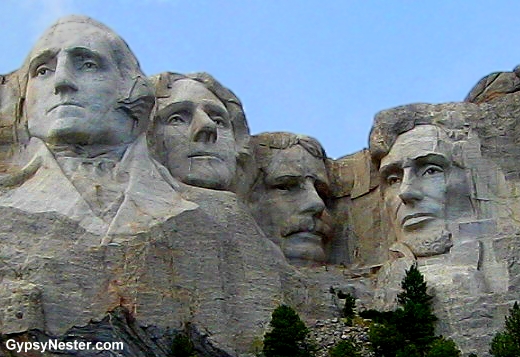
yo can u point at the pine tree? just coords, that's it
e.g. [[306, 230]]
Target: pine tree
[[416, 318], [409, 331], [507, 342], [288, 334]]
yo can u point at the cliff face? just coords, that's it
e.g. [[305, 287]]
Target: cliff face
[[205, 232]]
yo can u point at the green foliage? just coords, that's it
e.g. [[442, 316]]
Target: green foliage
[[348, 308], [288, 334], [414, 288], [409, 331], [442, 347], [507, 342], [379, 317], [347, 348], [472, 355], [409, 350], [182, 347], [386, 339]]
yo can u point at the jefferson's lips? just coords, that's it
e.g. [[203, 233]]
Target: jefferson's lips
[[74, 104]]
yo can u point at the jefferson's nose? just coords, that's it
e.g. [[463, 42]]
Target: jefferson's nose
[[203, 129], [64, 79]]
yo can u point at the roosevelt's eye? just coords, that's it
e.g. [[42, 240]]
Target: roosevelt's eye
[[286, 185]]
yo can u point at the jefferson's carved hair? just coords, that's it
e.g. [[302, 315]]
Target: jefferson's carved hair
[[137, 97], [164, 82]]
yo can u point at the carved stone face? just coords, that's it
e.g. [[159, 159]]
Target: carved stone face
[[73, 88], [417, 179], [194, 132], [288, 204]]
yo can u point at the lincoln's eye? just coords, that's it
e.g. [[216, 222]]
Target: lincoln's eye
[[432, 170], [392, 179]]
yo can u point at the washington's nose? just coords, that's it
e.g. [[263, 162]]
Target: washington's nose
[[63, 78], [203, 129], [409, 193], [312, 202]]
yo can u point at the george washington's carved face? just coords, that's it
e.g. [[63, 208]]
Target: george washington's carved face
[[73, 87]]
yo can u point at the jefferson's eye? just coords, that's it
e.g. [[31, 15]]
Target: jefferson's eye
[[175, 119]]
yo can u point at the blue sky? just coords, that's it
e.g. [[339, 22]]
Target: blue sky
[[321, 68]]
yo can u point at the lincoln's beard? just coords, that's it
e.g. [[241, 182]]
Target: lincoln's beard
[[427, 242]]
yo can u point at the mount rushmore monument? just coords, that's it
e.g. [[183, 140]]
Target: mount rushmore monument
[[135, 207]]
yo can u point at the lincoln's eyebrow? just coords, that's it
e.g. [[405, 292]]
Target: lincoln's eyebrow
[[41, 57], [389, 168]]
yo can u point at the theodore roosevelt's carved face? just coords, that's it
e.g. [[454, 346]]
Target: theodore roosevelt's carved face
[[289, 206]]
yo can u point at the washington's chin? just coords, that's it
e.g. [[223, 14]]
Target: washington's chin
[[304, 248]]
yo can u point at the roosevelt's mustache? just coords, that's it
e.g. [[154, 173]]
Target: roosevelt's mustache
[[299, 224]]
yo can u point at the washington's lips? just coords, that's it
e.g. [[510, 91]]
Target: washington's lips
[[411, 220], [65, 104]]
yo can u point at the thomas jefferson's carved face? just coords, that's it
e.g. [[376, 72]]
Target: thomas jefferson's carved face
[[417, 178], [73, 87], [288, 204], [194, 132]]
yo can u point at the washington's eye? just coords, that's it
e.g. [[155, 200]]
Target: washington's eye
[[42, 70], [432, 170], [392, 179], [89, 65], [175, 119]]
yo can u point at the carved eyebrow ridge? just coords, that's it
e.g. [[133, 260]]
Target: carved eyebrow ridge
[[42, 57]]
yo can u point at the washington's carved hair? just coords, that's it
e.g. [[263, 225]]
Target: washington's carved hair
[[164, 82], [137, 98], [266, 145]]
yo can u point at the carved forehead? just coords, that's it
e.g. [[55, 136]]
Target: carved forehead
[[421, 141], [295, 161], [189, 90]]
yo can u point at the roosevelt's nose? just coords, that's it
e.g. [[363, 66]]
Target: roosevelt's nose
[[312, 202], [409, 192], [202, 128], [64, 79]]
